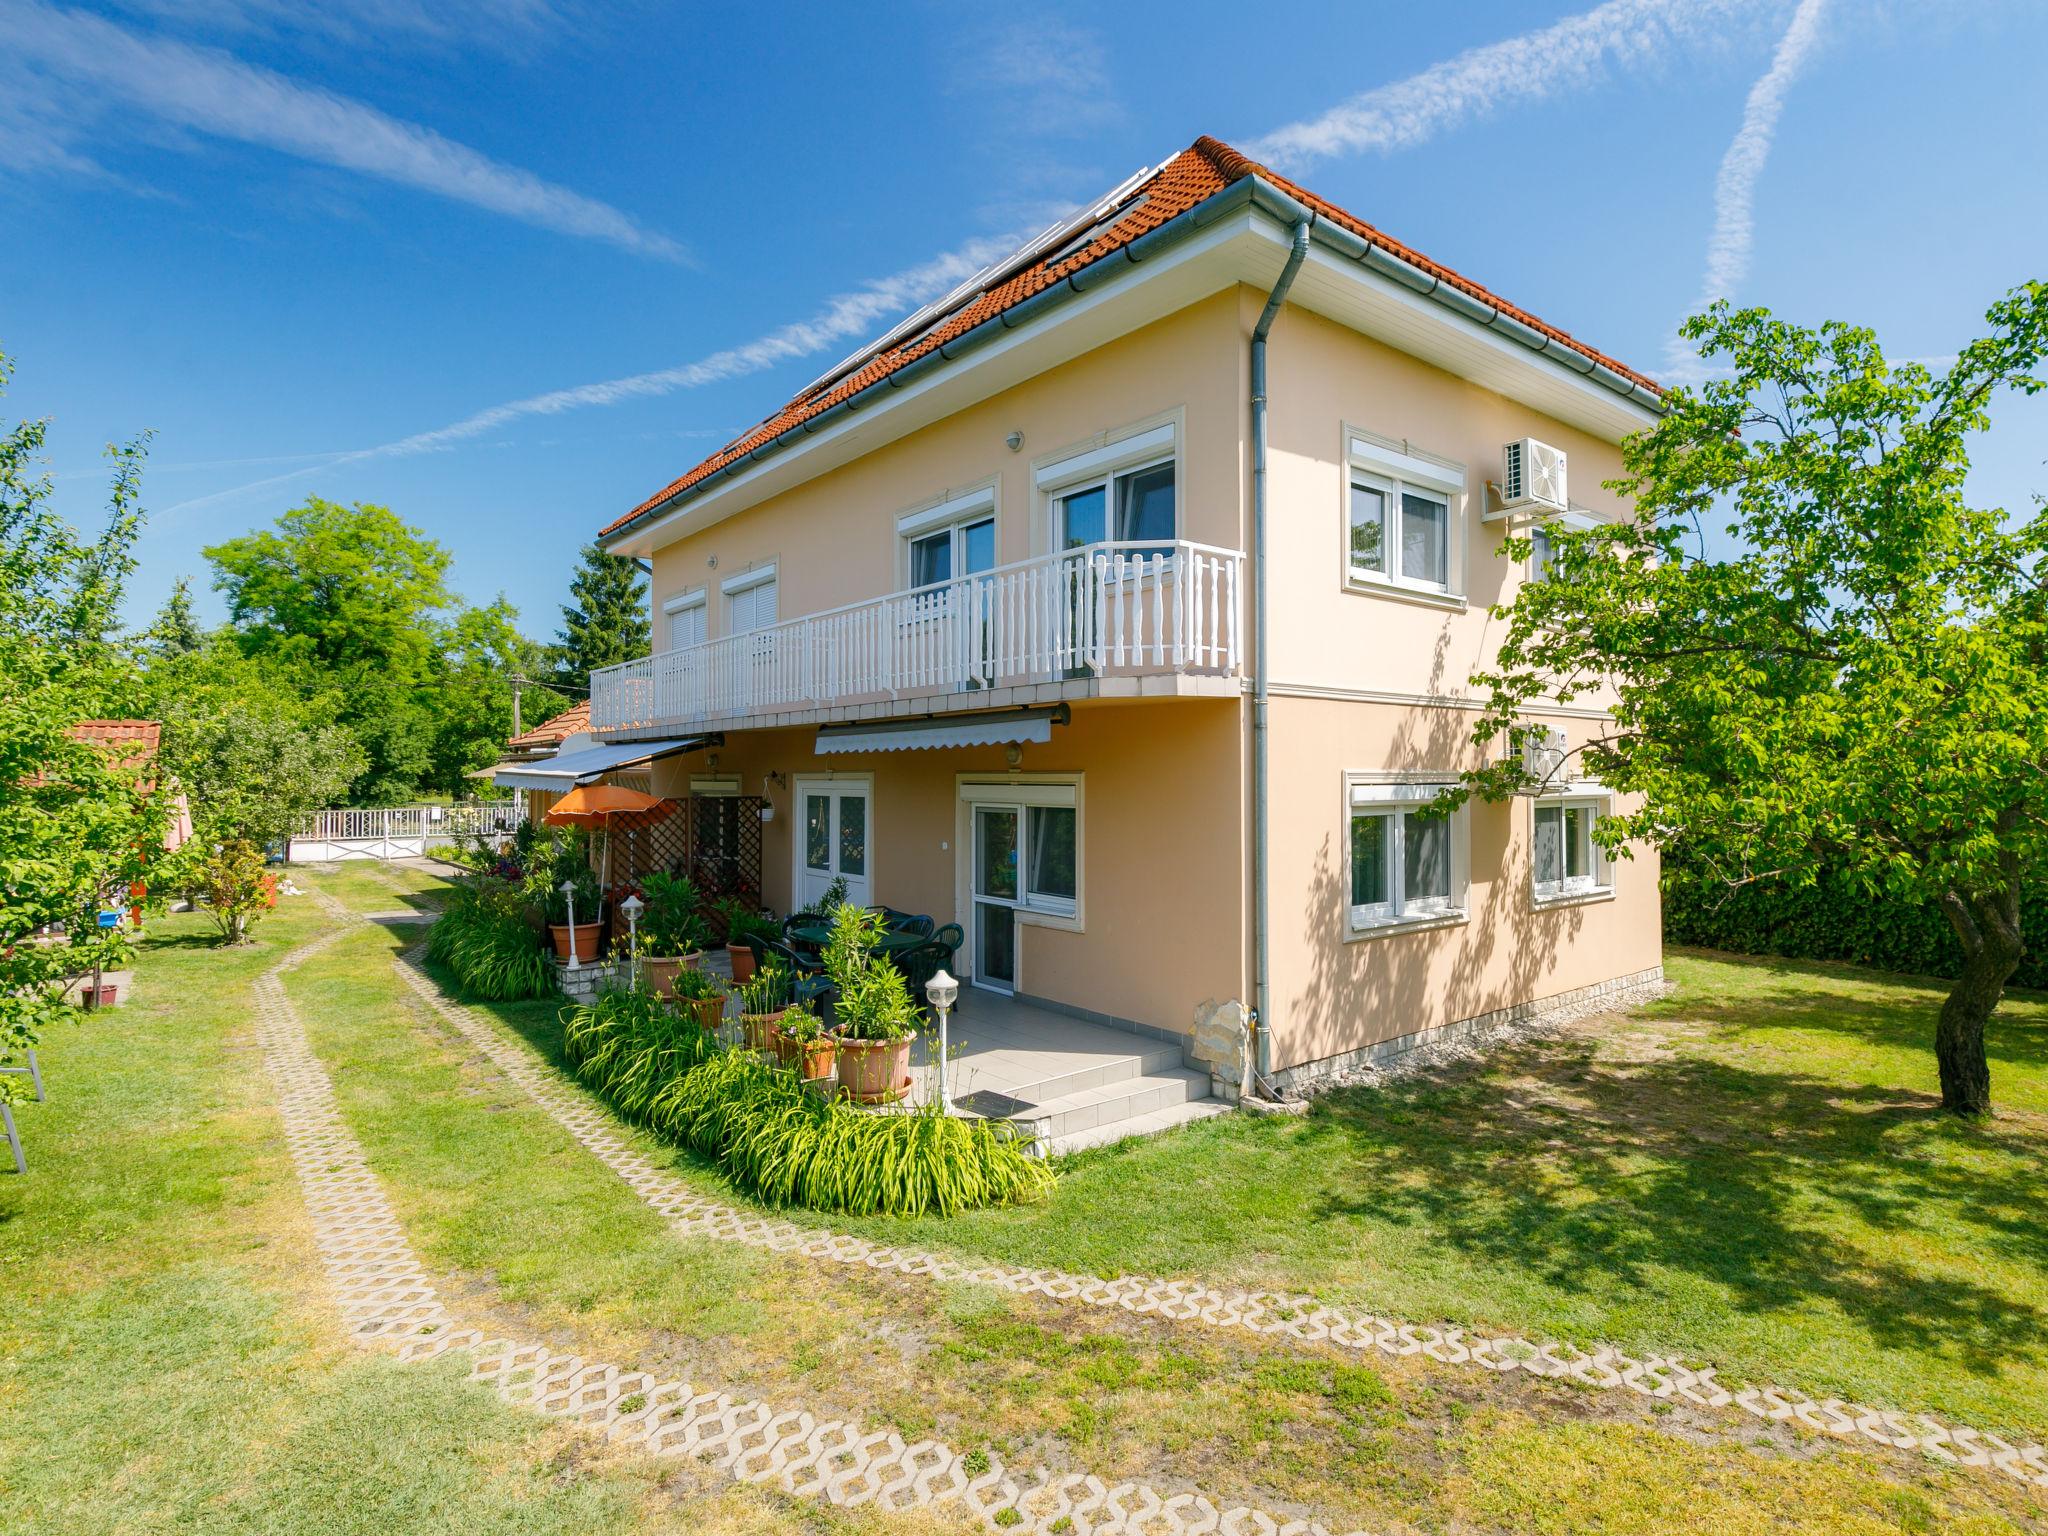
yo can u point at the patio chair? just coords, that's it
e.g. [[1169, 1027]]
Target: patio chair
[[920, 925], [920, 965], [812, 985]]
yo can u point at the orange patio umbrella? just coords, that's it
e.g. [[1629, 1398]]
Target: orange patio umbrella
[[594, 805]]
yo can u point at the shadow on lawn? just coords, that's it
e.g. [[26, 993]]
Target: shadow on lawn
[[1596, 1174]]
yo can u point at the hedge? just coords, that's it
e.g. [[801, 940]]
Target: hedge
[[1832, 919]]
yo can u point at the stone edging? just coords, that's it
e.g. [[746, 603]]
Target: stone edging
[[1301, 1318], [386, 1300]]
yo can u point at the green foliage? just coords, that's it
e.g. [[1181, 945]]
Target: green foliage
[[176, 630], [77, 823], [873, 1001], [1860, 681], [671, 925], [605, 621], [257, 771], [558, 855], [693, 985], [486, 936], [740, 922], [770, 989], [239, 890], [1831, 917], [776, 1139]]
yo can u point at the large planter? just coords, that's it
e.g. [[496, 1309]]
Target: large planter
[[584, 936], [658, 973], [742, 962], [759, 1032], [808, 1059], [874, 1071]]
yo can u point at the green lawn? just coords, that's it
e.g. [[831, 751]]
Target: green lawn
[[168, 1359]]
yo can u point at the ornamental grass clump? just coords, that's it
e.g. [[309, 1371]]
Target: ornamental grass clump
[[486, 936], [627, 1045]]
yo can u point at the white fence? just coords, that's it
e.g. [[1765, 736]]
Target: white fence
[[1101, 610], [400, 832]]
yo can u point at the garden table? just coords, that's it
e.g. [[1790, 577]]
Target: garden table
[[890, 943]]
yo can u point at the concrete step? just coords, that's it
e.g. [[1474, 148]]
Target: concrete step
[[1111, 1103], [1141, 1125]]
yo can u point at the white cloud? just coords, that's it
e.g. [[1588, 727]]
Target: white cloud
[[1535, 66], [843, 316], [106, 66], [1728, 248]]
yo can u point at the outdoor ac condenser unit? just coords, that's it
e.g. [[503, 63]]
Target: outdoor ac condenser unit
[[1543, 758], [1532, 477]]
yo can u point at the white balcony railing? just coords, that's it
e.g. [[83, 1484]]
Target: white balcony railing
[[1100, 611]]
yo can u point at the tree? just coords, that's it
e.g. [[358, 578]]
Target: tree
[[176, 630], [1861, 679], [77, 822], [605, 621]]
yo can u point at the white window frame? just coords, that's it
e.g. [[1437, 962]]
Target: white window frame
[[1071, 474], [1395, 473], [1397, 797], [1597, 883], [955, 516], [1537, 565], [1026, 792], [747, 581], [682, 602]]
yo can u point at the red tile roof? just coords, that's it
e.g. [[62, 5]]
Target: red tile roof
[[142, 735], [1194, 175], [553, 732]]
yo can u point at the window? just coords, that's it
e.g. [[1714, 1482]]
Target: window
[[1406, 867], [1543, 544], [1050, 838], [1566, 860], [953, 539], [1403, 528], [749, 600], [1135, 506], [1037, 823], [684, 614]]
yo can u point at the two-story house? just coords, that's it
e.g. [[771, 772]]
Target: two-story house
[[1120, 607]]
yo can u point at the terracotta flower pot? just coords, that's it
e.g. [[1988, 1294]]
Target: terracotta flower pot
[[585, 937], [808, 1059], [761, 1031], [708, 1011], [658, 972], [874, 1071], [742, 961]]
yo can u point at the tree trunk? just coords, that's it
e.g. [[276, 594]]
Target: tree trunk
[[1989, 929]]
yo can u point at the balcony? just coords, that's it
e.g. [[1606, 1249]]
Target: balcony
[[1094, 620]]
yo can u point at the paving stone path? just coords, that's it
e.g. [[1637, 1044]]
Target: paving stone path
[[387, 1300], [1296, 1318]]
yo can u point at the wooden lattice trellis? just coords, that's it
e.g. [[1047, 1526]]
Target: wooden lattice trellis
[[714, 839]]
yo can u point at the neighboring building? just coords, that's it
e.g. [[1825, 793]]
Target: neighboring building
[[978, 614]]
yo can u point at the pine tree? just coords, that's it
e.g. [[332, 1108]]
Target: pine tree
[[176, 630], [605, 620]]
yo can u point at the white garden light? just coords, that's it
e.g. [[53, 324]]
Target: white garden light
[[569, 891], [943, 990], [633, 906]]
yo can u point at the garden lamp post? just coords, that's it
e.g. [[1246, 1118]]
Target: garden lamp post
[[575, 955], [633, 906], [943, 990]]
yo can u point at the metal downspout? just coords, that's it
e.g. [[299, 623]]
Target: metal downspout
[[1261, 677]]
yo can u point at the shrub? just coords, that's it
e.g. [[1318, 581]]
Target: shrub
[[239, 890], [670, 925], [485, 935], [776, 1139], [873, 1001], [1831, 919]]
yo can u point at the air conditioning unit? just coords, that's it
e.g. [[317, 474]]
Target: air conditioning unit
[[1532, 477], [1543, 760]]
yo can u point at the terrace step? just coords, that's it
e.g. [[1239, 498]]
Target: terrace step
[[1117, 1102], [1142, 1125]]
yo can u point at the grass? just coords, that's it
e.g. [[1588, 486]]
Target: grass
[[168, 1358], [1753, 1172]]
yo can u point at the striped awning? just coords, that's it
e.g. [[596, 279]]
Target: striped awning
[[983, 730]]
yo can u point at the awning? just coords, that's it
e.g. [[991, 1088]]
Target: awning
[[984, 730], [565, 770]]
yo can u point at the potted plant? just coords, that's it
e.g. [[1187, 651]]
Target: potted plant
[[877, 1019], [700, 996], [741, 923], [803, 1045], [671, 932], [764, 998]]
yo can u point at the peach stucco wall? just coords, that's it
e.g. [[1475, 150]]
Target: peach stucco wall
[[834, 538], [1162, 866]]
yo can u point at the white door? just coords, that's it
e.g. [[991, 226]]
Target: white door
[[834, 825], [993, 935]]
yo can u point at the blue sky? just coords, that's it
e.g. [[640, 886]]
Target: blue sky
[[303, 249]]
